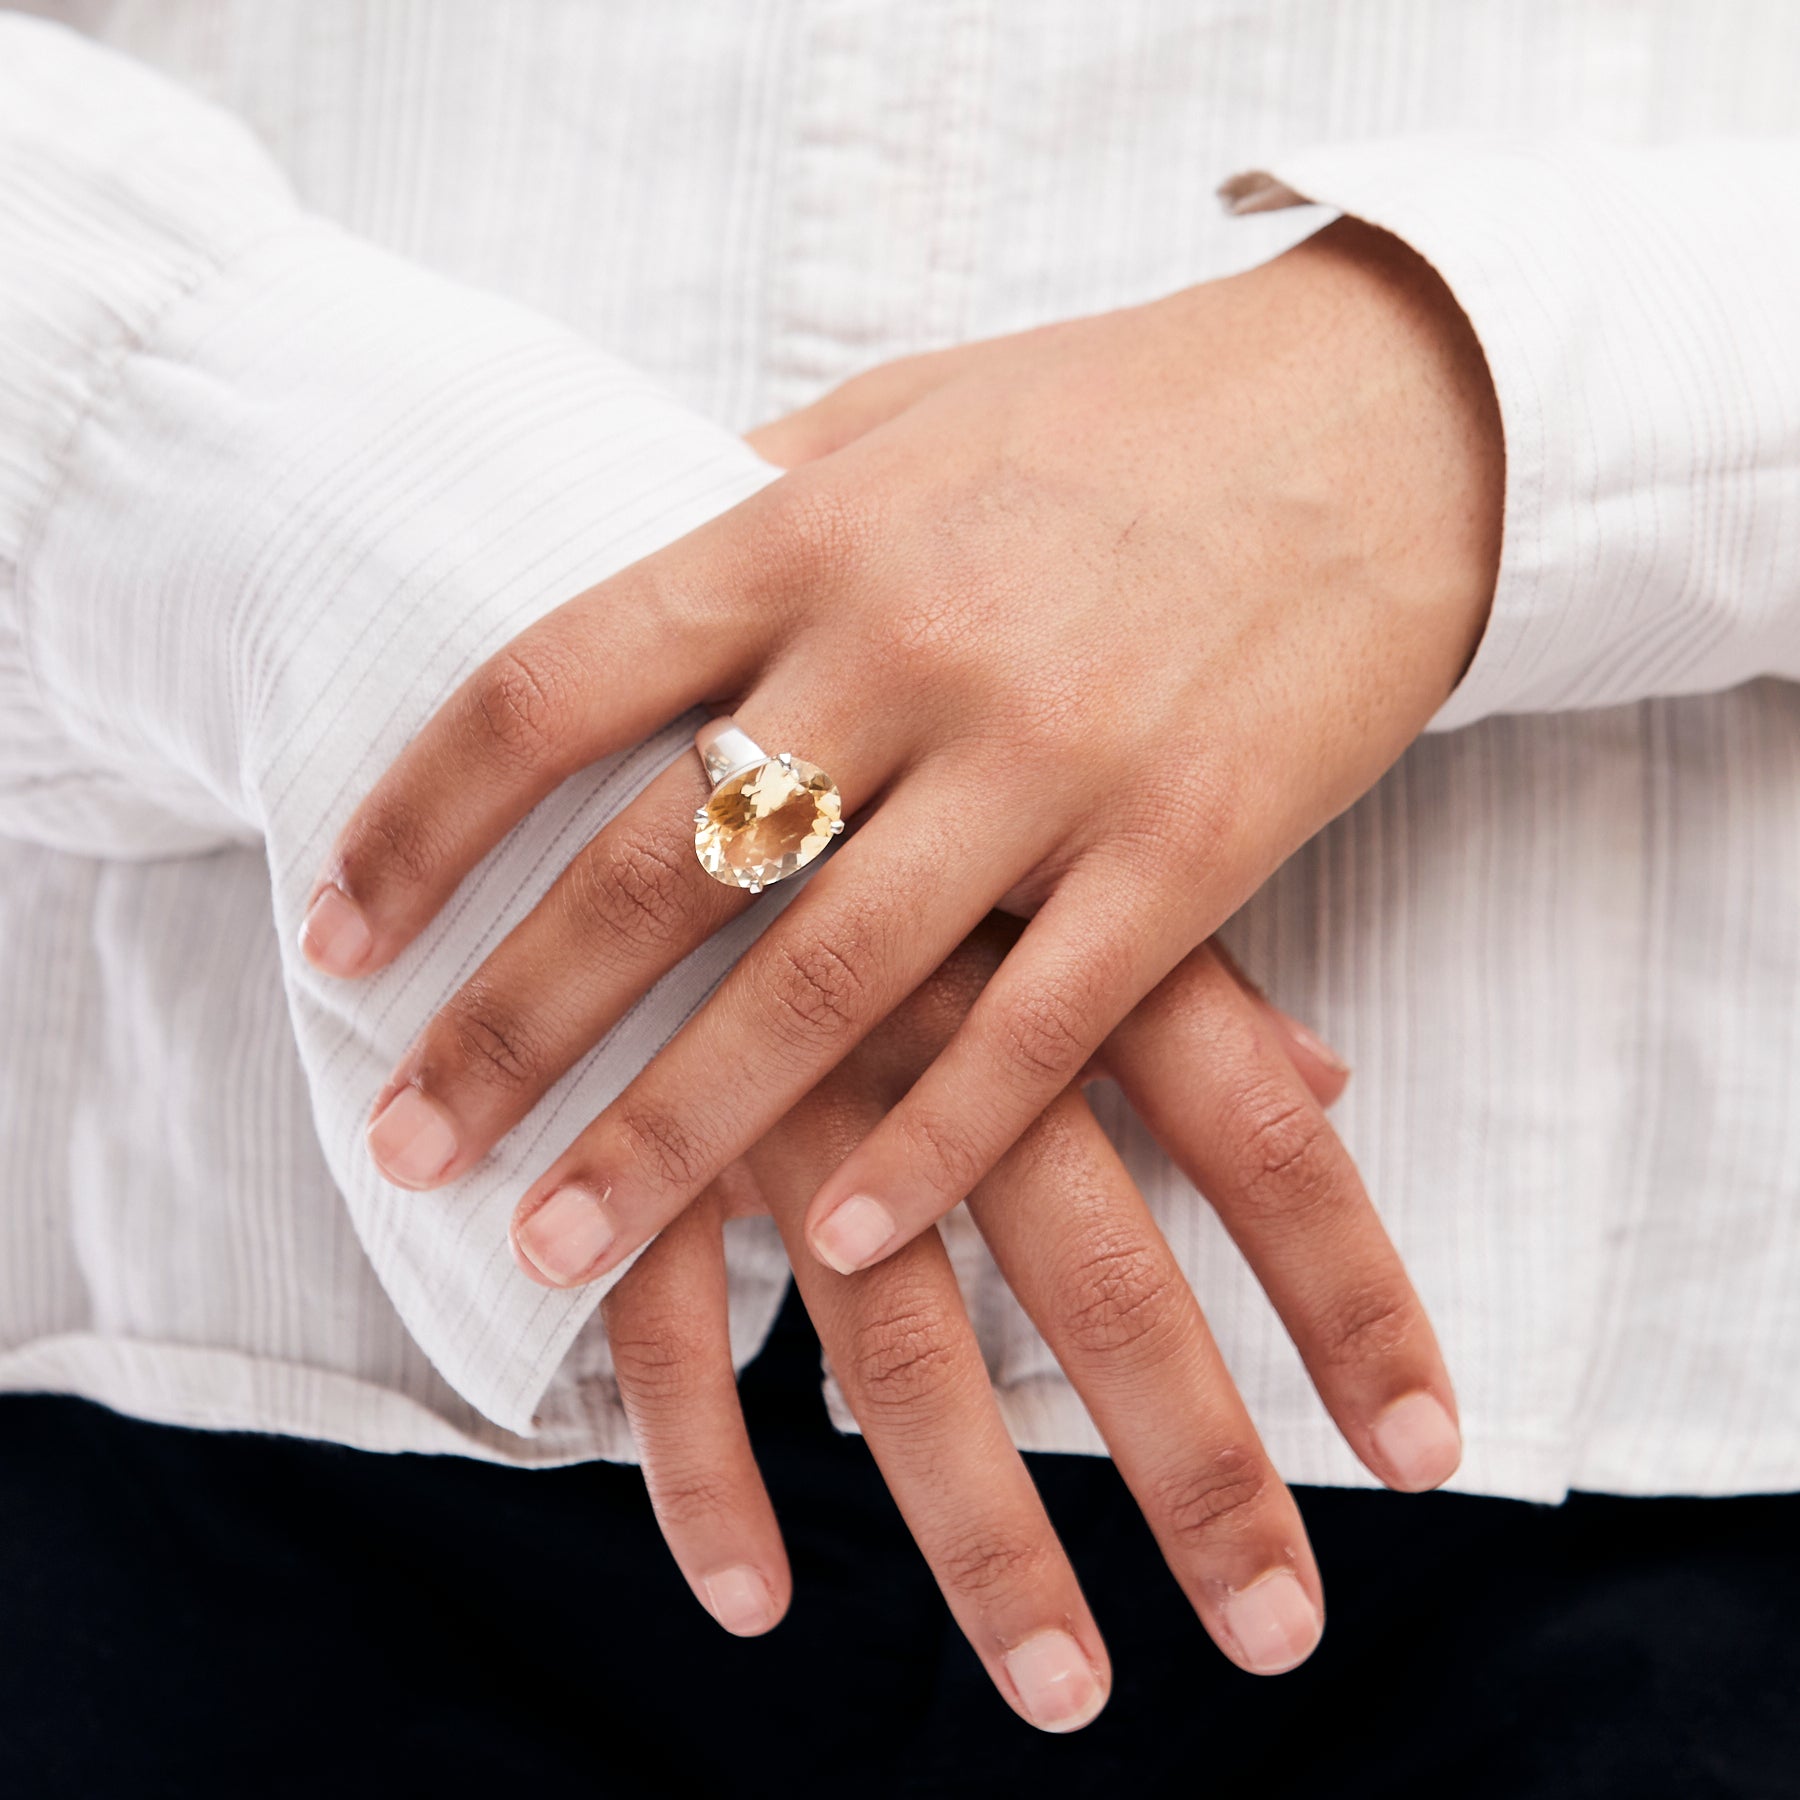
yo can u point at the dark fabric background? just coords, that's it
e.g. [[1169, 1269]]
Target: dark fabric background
[[187, 1614]]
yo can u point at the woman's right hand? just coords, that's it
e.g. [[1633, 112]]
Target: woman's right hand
[[1095, 624], [1233, 1092]]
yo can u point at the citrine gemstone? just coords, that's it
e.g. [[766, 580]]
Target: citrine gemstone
[[767, 822]]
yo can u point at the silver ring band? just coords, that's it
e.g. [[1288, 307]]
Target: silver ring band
[[725, 749]]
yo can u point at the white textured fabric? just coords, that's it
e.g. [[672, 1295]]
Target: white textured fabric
[[276, 467]]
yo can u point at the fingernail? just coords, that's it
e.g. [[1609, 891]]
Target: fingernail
[[1273, 1623], [334, 936], [853, 1236], [740, 1600], [412, 1139], [1057, 1684], [1419, 1442], [567, 1235], [1311, 1042]]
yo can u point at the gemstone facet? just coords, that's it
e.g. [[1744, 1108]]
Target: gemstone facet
[[767, 822]]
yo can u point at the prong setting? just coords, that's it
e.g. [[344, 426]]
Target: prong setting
[[766, 818]]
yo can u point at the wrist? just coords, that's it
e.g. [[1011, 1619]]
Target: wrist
[[1384, 408], [1431, 422]]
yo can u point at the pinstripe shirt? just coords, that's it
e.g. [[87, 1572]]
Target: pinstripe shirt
[[338, 341]]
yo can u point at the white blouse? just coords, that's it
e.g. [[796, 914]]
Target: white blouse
[[358, 335]]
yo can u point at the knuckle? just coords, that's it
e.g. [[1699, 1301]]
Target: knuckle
[[928, 643], [900, 1357], [1211, 808], [689, 1495], [633, 888], [654, 1360], [518, 702], [1201, 1504], [1118, 1300], [488, 1042], [939, 1153], [815, 991], [817, 530], [1045, 1036], [664, 1150], [394, 844], [981, 1560], [1283, 1160], [1368, 1326], [1206, 813]]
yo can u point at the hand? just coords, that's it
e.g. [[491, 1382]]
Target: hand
[[1227, 1090], [1108, 618]]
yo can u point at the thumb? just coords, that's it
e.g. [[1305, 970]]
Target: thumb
[[856, 406]]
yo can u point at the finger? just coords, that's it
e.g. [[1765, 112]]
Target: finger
[[899, 1341], [856, 406], [1212, 1082], [669, 1324], [1079, 1248], [1073, 975], [877, 395], [684, 623], [868, 929], [1325, 1073], [632, 903]]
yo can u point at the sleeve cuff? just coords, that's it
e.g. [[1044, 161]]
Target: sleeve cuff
[[317, 493], [1634, 307]]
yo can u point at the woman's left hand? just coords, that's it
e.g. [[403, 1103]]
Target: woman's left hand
[[1234, 1099], [1095, 624]]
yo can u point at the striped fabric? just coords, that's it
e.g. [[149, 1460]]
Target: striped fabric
[[300, 420]]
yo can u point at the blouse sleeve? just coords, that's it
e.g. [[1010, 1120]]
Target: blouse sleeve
[[267, 494], [1640, 314]]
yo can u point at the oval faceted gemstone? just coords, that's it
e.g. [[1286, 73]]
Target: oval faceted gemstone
[[766, 822]]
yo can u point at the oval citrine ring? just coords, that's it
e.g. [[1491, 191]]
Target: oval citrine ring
[[767, 816]]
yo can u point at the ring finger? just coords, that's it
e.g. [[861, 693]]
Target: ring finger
[[860, 939], [626, 910]]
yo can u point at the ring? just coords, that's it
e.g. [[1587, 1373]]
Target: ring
[[767, 816]]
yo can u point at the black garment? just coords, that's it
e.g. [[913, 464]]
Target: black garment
[[188, 1615]]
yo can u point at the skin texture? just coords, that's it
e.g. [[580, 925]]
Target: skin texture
[[1093, 625]]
